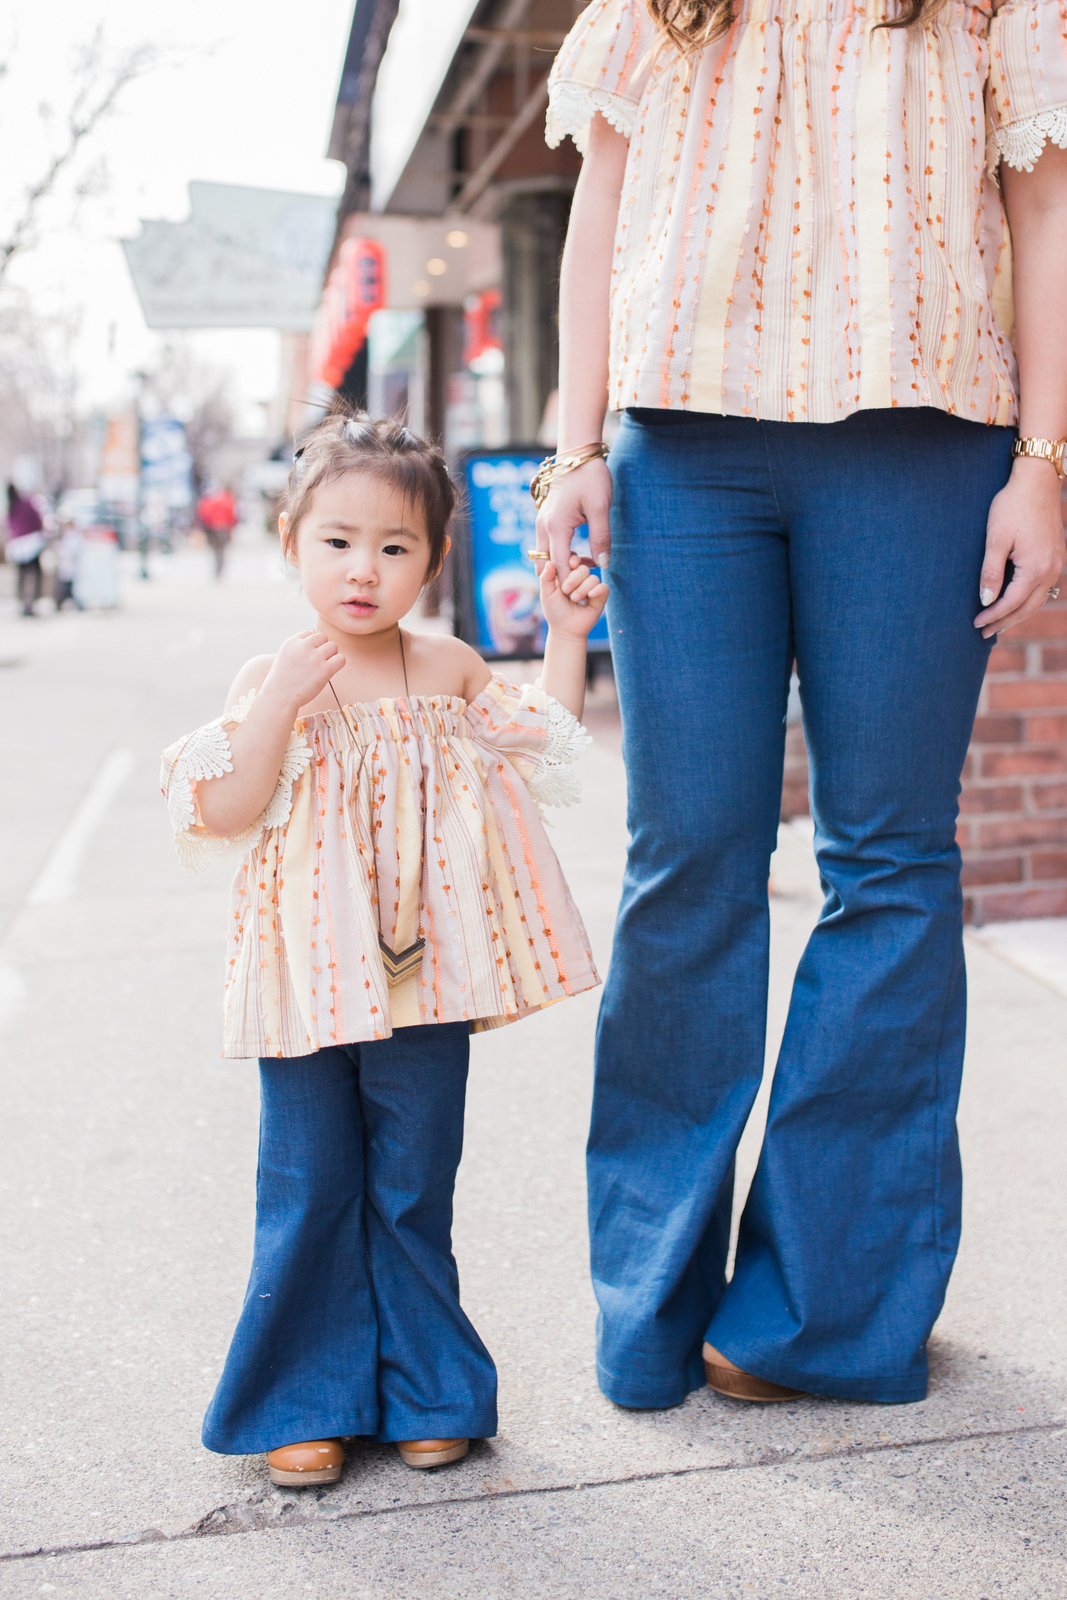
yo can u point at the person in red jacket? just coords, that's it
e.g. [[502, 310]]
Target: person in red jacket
[[216, 513]]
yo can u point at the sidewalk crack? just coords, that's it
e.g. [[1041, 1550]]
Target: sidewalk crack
[[250, 1517]]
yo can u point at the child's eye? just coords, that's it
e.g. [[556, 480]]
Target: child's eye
[[393, 550], [337, 544]]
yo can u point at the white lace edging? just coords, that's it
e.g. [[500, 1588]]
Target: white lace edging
[[553, 782], [206, 754], [1020, 143], [571, 108]]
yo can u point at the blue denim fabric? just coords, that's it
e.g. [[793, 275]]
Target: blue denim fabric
[[351, 1322], [737, 544]]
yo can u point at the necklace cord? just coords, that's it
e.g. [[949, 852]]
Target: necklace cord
[[359, 773]]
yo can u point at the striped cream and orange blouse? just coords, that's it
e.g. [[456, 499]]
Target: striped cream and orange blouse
[[810, 221], [404, 818]]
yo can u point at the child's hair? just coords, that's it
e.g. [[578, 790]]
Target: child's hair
[[351, 441]]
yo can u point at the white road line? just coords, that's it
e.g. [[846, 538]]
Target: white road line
[[59, 875], [12, 993]]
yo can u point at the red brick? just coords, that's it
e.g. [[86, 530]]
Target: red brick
[[997, 797], [1049, 864], [963, 835], [996, 869], [998, 730], [1006, 659], [1046, 730], [968, 767], [1023, 763], [1048, 623], [1022, 693], [1022, 831], [1054, 658], [1008, 904], [1049, 796]]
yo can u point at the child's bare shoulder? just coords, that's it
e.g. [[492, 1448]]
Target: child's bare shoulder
[[251, 676], [451, 662]]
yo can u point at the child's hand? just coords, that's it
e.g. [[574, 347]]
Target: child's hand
[[573, 606], [303, 667]]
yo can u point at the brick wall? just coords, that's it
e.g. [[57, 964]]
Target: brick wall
[[1013, 809]]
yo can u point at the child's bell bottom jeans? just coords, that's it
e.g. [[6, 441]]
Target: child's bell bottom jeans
[[737, 545], [352, 1322]]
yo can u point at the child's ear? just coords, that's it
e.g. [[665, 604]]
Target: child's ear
[[290, 555]]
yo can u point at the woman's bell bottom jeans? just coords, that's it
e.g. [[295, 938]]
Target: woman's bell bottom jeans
[[352, 1322], [738, 546]]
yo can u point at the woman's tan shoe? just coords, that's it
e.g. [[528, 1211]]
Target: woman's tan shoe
[[316, 1461], [725, 1378], [432, 1452]]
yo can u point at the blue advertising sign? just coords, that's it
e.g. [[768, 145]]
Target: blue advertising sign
[[505, 589], [166, 464]]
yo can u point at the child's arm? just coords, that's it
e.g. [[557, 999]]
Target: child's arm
[[300, 671], [572, 608]]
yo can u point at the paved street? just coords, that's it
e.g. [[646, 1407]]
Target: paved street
[[127, 1174]]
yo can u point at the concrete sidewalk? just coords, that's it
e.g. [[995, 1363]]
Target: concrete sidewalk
[[127, 1181]]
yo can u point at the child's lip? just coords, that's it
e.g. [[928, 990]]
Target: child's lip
[[363, 605]]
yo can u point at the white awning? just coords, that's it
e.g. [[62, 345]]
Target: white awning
[[422, 44]]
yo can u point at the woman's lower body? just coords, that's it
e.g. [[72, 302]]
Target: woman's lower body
[[30, 583], [352, 1322], [738, 546]]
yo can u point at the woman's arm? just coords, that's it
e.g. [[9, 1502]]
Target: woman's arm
[[585, 285], [1025, 519]]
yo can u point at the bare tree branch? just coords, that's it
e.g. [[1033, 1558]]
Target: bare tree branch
[[97, 92]]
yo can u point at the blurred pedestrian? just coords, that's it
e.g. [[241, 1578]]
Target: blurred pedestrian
[[67, 547], [216, 513], [25, 541], [384, 909]]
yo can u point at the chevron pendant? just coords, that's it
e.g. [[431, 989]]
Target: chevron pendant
[[402, 965]]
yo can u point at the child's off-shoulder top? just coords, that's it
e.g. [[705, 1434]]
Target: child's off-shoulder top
[[810, 223], [406, 818]]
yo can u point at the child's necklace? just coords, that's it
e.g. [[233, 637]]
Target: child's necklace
[[398, 964]]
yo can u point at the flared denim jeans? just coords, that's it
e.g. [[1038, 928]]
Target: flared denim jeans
[[352, 1322], [739, 546]]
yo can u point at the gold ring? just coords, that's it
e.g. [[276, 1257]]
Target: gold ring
[[538, 555]]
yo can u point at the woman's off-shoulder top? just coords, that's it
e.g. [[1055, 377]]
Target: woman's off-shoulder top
[[811, 223], [405, 818]]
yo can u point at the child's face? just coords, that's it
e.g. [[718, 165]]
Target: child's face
[[362, 552]]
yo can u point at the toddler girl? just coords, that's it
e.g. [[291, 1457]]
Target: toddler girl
[[397, 892]]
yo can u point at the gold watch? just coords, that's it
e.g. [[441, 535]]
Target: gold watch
[[1050, 450]]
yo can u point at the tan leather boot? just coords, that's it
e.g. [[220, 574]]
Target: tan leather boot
[[316, 1461], [432, 1452], [725, 1378]]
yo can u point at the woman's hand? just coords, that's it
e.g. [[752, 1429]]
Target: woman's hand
[[1025, 527], [581, 496], [572, 607], [302, 668]]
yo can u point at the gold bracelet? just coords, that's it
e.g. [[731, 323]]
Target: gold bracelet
[[1050, 450], [556, 466]]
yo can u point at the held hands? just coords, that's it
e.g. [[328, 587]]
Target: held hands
[[581, 496], [302, 668], [572, 606], [1025, 527]]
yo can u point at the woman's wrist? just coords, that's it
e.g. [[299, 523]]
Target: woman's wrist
[[1037, 474]]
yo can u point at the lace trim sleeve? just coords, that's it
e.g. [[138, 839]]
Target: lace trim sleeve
[[571, 108], [552, 782], [206, 754], [1020, 143]]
